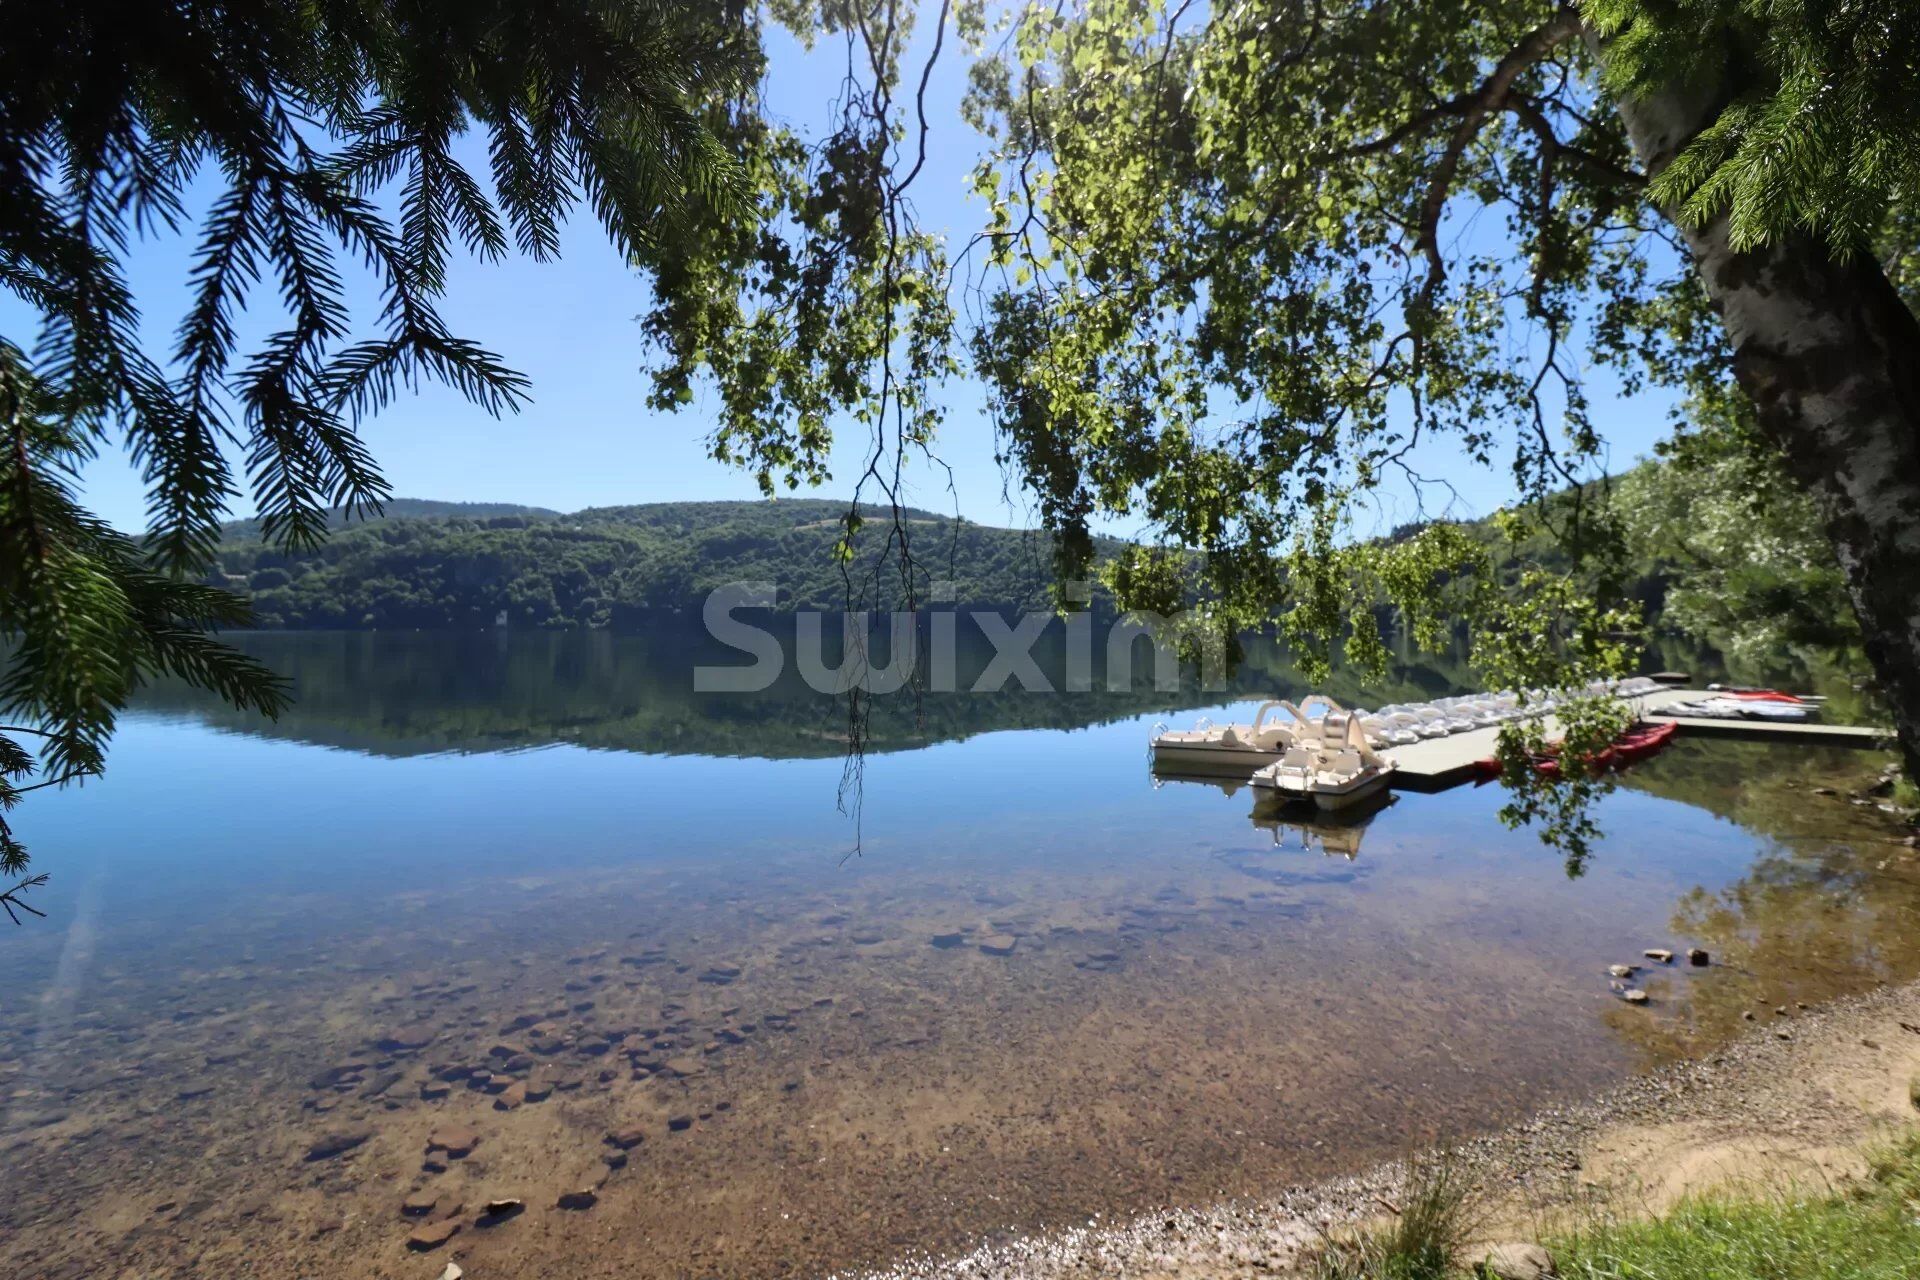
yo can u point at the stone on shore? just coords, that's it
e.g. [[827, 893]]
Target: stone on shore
[[1517, 1261]]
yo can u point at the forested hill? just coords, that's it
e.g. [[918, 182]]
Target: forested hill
[[400, 509], [431, 565]]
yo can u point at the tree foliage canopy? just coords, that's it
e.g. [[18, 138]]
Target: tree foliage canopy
[[328, 131], [1242, 263]]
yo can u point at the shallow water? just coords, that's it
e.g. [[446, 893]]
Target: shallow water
[[1044, 988]]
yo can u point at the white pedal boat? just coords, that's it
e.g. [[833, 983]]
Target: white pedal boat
[[1338, 771], [1237, 750]]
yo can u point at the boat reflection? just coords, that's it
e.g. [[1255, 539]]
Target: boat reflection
[[1335, 833], [1331, 834]]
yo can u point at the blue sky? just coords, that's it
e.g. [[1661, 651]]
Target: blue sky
[[588, 439]]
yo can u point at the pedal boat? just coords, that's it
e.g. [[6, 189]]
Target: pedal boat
[[1339, 771]]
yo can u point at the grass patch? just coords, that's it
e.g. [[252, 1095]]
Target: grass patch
[[1423, 1241], [1868, 1233]]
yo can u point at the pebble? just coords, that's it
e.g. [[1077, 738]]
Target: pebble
[[626, 1138], [583, 1198], [453, 1272], [1620, 970], [679, 1124], [501, 1209], [1659, 954], [1634, 995]]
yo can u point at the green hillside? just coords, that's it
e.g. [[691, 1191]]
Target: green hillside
[[434, 565], [399, 509], [1700, 579]]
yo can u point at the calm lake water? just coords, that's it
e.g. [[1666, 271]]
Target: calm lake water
[[535, 887]]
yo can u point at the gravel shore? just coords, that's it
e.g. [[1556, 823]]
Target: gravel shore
[[1798, 1097]]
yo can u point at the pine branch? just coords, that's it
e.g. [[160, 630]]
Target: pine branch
[[12, 897]]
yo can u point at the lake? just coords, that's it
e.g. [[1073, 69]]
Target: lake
[[534, 887]]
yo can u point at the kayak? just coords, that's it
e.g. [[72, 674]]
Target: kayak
[[1751, 693], [1631, 747]]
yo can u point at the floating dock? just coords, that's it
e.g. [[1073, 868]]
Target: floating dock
[[1435, 764]]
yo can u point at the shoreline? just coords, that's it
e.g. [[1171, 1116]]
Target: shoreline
[[1799, 1098]]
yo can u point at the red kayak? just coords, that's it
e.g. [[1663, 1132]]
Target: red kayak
[[1756, 695], [1636, 744]]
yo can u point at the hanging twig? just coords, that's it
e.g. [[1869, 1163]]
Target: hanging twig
[[11, 898]]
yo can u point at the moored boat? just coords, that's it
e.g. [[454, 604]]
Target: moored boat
[[1339, 771], [1741, 707], [1233, 749], [1637, 743]]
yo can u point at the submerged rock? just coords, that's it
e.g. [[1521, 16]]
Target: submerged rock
[[1634, 995], [410, 1040], [1620, 970], [581, 1198], [1658, 954], [626, 1137], [454, 1139], [500, 1210], [431, 1235], [420, 1204], [998, 944], [1697, 955], [337, 1142]]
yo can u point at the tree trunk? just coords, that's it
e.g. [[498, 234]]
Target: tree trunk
[[1830, 355]]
